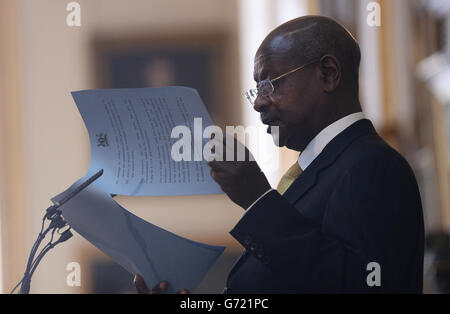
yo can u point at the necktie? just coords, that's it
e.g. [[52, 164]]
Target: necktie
[[289, 177]]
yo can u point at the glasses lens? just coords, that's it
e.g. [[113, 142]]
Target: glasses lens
[[251, 96], [265, 88]]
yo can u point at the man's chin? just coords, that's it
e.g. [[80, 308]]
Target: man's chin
[[279, 140], [279, 135]]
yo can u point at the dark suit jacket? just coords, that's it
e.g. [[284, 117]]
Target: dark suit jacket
[[357, 203]]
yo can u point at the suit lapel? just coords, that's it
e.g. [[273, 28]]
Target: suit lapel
[[300, 186], [328, 156]]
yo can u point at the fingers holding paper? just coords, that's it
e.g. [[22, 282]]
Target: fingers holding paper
[[234, 168], [160, 288]]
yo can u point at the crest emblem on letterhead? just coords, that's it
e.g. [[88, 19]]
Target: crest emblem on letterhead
[[102, 140]]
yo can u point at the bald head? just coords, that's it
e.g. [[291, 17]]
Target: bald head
[[309, 38]]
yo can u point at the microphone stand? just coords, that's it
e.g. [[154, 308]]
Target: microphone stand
[[57, 224]]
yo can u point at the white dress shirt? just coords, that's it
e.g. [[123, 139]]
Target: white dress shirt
[[318, 143]]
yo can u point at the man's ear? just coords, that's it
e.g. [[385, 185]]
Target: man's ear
[[330, 69]]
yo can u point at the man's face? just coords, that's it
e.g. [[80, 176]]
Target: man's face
[[294, 104]]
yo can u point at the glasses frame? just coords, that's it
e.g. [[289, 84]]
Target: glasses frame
[[254, 92]]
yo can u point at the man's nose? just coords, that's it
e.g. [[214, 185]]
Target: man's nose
[[261, 103]]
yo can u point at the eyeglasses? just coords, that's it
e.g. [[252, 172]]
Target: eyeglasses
[[265, 88]]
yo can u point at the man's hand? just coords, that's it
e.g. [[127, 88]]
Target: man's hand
[[242, 181], [141, 287]]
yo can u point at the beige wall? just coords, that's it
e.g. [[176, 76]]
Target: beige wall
[[56, 60], [12, 147]]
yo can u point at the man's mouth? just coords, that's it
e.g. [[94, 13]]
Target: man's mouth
[[270, 121]]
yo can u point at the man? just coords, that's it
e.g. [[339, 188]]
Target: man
[[347, 216]]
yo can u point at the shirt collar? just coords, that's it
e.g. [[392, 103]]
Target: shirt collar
[[318, 143]]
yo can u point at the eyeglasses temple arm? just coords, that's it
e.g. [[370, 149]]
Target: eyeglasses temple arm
[[290, 72]]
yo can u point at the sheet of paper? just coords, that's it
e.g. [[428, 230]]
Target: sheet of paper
[[130, 134], [138, 246]]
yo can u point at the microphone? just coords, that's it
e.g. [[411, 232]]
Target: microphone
[[57, 223]]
